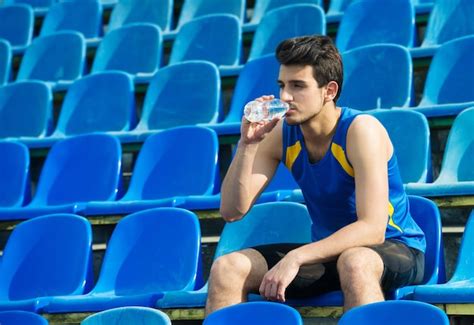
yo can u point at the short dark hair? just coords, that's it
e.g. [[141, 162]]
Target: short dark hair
[[319, 52]]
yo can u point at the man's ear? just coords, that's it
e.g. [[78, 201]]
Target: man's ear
[[331, 91]]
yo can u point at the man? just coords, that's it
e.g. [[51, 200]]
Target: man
[[365, 241]]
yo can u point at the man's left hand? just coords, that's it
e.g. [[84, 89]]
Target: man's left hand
[[277, 279]]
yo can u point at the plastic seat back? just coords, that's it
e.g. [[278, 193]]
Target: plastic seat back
[[80, 169], [13, 317], [268, 223], [214, 38], [286, 22], [157, 12], [17, 24], [14, 174], [145, 256], [134, 48], [47, 256], [427, 217], [193, 9], [5, 62], [337, 7], [40, 6], [263, 6], [99, 102], [166, 107], [372, 21], [459, 152], [257, 78], [25, 116], [169, 160], [385, 69], [282, 180], [450, 77], [128, 315], [56, 57], [80, 16], [261, 312], [410, 135], [464, 269], [395, 312], [448, 20]]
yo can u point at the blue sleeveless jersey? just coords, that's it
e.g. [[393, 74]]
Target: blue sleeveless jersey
[[328, 186]]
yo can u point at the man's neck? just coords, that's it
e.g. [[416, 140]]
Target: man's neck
[[321, 128]]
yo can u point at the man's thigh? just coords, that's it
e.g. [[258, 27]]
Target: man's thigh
[[311, 280], [403, 265]]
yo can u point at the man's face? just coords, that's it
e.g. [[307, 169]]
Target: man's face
[[301, 91]]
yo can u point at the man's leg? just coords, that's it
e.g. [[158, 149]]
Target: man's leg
[[360, 271], [233, 276]]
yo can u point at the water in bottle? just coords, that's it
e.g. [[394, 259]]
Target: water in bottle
[[256, 111]]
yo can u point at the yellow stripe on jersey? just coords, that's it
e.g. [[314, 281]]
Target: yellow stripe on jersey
[[391, 210], [340, 156], [292, 153]]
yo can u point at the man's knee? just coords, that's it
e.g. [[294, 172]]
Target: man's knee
[[359, 263], [237, 266]]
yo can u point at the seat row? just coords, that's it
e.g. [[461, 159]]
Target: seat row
[[265, 313], [83, 174], [148, 265], [138, 50], [105, 101]]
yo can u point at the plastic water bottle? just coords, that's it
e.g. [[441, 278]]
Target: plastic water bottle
[[256, 111]]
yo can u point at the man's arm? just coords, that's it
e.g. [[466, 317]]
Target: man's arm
[[368, 150], [257, 157]]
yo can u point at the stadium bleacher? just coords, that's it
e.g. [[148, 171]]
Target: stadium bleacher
[[114, 107]]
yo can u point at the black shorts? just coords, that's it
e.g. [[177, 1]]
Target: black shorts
[[403, 266]]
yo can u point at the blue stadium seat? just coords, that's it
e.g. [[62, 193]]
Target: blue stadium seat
[[394, 313], [264, 313], [263, 6], [372, 21], [165, 105], [45, 256], [5, 62], [281, 187], [14, 317], [460, 288], [40, 7], [449, 19], [337, 8], [385, 69], [135, 48], [76, 170], [282, 222], [222, 46], [426, 215], [17, 26], [410, 135], [80, 16], [108, 4], [57, 59], [457, 175], [450, 79], [128, 315], [165, 165], [157, 12], [258, 77], [25, 116], [193, 9], [101, 102], [14, 174], [286, 22], [150, 252]]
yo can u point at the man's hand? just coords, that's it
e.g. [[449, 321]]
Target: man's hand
[[253, 133], [277, 279]]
